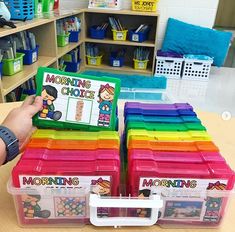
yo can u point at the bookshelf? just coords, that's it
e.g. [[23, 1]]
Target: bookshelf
[[130, 20], [49, 53]]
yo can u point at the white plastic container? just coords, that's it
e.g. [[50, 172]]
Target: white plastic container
[[170, 67], [197, 67]]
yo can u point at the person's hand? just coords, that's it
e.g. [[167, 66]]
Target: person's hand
[[19, 120]]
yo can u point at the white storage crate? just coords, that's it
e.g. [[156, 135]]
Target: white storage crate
[[197, 67], [170, 67]]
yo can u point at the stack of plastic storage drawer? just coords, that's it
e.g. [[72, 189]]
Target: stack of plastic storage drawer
[[170, 153], [55, 175]]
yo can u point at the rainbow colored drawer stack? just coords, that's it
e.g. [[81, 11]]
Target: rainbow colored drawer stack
[[59, 169], [169, 152]]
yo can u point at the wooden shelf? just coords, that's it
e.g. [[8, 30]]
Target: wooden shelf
[[21, 26], [49, 53], [63, 50], [126, 43], [9, 83], [121, 12], [66, 13], [124, 69]]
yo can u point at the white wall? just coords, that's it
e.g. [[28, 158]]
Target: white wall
[[73, 4], [199, 12]]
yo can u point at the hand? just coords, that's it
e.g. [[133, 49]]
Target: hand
[[19, 120]]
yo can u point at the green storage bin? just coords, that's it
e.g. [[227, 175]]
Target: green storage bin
[[38, 5], [62, 40], [47, 8], [13, 66]]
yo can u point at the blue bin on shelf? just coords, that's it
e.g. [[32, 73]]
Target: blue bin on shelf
[[97, 34], [25, 93], [139, 36], [31, 56], [74, 36], [20, 9], [0, 70], [72, 66], [116, 61]]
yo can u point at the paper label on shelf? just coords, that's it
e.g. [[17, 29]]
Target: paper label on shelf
[[34, 57], [135, 37], [120, 35], [116, 63], [93, 61], [186, 199], [60, 197], [16, 66], [141, 65], [66, 40]]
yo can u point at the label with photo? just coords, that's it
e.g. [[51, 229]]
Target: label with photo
[[184, 199], [60, 204]]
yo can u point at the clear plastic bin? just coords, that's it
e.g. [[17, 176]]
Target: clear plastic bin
[[83, 208], [194, 209], [169, 208], [61, 203]]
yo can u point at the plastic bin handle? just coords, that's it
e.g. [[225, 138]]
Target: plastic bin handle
[[169, 61], [198, 63], [154, 203]]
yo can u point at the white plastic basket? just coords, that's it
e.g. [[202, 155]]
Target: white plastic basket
[[169, 66], [196, 69]]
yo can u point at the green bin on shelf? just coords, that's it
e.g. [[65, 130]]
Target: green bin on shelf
[[13, 66], [63, 40]]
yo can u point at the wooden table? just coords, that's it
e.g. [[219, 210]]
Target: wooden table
[[222, 133]]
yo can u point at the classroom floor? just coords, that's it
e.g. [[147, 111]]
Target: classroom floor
[[216, 95]]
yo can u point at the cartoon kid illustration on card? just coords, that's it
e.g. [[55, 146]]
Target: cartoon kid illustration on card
[[31, 207], [106, 96], [213, 204], [144, 212], [49, 95]]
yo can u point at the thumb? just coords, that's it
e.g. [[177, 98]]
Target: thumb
[[28, 101], [35, 107]]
